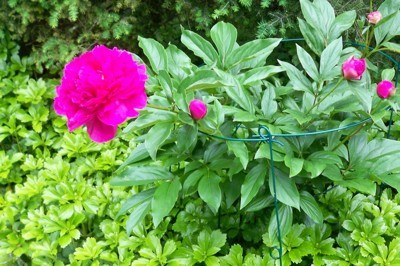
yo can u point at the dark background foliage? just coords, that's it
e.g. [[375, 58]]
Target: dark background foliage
[[52, 32]]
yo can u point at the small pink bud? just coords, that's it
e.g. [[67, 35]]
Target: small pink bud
[[198, 109], [385, 89], [353, 69], [374, 17]]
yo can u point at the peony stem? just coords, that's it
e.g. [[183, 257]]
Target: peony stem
[[325, 96]]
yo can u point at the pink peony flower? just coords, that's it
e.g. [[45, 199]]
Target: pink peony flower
[[385, 89], [101, 89], [374, 17], [198, 109], [353, 69]]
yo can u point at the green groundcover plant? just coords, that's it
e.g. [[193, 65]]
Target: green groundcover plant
[[184, 194]]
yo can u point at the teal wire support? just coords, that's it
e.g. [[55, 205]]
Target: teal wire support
[[278, 223]]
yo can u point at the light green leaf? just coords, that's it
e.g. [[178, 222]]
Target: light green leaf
[[269, 106], [210, 191], [295, 165], [201, 80], [137, 215], [239, 148], [224, 36], [236, 91], [310, 206], [252, 183], [285, 214], [308, 63], [388, 74], [179, 64], [135, 200], [394, 47], [140, 175], [286, 190], [251, 50], [164, 200], [256, 75], [155, 52], [298, 80], [200, 46], [156, 136], [330, 58], [313, 38], [341, 23]]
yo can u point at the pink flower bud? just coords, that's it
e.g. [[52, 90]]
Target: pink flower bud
[[353, 69], [198, 109], [385, 89], [374, 17]]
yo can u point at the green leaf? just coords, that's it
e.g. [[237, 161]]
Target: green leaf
[[268, 104], [137, 215], [309, 205], [308, 63], [239, 148], [259, 203], [361, 184], [201, 80], [179, 64], [224, 36], [256, 75], [312, 14], [156, 136], [138, 154], [252, 183], [313, 38], [140, 175], [286, 190], [394, 47], [285, 214], [295, 165], [155, 52], [210, 191], [135, 200], [251, 50], [330, 58], [187, 135], [236, 91], [200, 47], [388, 74], [164, 200], [387, 27], [147, 119], [298, 80], [192, 180], [341, 23]]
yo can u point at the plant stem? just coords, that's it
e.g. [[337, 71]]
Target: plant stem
[[349, 136], [326, 95]]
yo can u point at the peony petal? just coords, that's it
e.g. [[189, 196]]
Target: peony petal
[[100, 132], [79, 118], [113, 113]]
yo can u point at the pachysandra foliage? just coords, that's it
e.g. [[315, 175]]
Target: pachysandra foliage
[[182, 197]]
